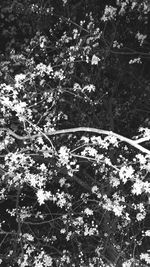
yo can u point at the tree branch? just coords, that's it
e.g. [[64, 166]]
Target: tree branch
[[133, 143], [142, 140]]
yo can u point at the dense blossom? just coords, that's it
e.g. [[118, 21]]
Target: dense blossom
[[74, 190]]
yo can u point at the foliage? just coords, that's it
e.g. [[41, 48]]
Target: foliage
[[74, 110]]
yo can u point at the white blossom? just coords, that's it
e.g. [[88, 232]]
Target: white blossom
[[137, 187], [140, 216], [90, 88], [19, 79], [118, 209], [94, 189], [88, 211], [109, 13], [146, 257], [141, 37], [42, 196], [95, 60], [147, 233], [125, 173], [135, 60]]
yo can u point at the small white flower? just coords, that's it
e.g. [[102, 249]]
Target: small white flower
[[117, 45], [19, 79], [88, 211], [62, 181], [20, 107], [85, 139], [141, 37], [114, 181], [107, 161], [59, 74], [75, 33], [49, 69], [90, 88], [94, 189], [43, 167], [146, 187], [40, 140], [64, 155], [146, 257], [126, 173], [135, 60], [68, 237], [42, 196], [77, 87], [137, 187], [95, 60], [109, 13], [6, 102], [63, 231], [140, 216], [118, 210], [128, 263], [147, 233], [141, 159], [42, 41], [28, 237]]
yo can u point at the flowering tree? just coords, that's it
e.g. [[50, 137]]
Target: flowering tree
[[74, 150]]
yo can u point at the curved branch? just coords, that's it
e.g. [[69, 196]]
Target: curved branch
[[133, 143]]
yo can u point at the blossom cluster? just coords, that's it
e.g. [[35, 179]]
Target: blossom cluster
[[72, 195]]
